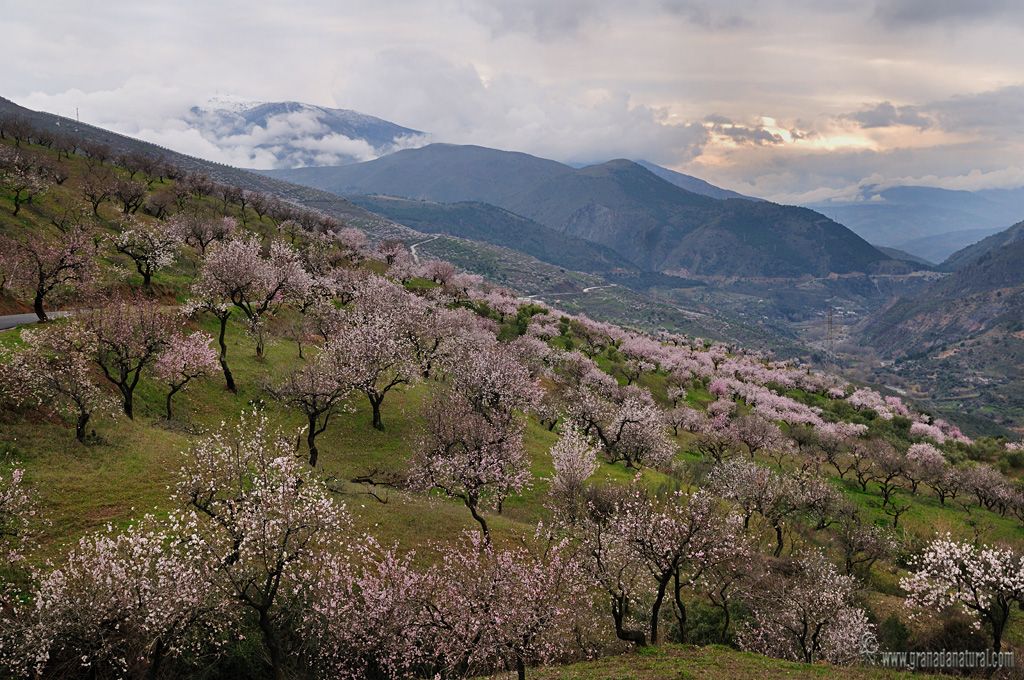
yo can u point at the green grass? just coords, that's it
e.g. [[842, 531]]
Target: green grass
[[678, 662]]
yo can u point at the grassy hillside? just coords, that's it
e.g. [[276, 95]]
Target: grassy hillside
[[708, 663], [125, 468]]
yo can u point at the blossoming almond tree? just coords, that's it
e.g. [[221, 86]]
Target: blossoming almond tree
[[56, 364], [47, 266], [362, 616], [374, 357], [575, 459], [319, 390], [262, 519], [676, 539], [17, 508], [487, 607], [129, 333], [806, 616], [985, 582], [150, 245], [472, 447], [185, 358], [236, 271], [119, 605]]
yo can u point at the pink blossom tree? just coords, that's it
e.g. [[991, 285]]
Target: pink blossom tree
[[759, 434], [205, 300], [924, 461], [807, 616], [984, 582], [629, 426], [833, 440], [676, 539], [363, 614], [319, 390], [56, 364], [779, 498], [237, 272], [489, 608], [929, 431], [129, 334], [432, 332], [185, 358], [636, 434], [472, 448], [860, 542], [49, 266], [374, 356]]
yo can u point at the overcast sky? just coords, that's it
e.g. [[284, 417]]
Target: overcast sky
[[793, 100]]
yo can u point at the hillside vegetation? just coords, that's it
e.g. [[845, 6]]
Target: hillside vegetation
[[262, 447]]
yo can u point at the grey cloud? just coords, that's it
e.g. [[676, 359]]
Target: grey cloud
[[886, 115], [453, 103], [998, 111], [714, 15], [542, 19], [743, 134], [992, 110], [899, 14]]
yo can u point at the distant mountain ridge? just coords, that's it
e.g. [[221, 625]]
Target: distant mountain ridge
[[980, 297], [929, 222], [697, 186], [619, 204], [963, 257]]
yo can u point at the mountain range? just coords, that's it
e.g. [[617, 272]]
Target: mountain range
[[928, 222], [764, 272], [655, 224]]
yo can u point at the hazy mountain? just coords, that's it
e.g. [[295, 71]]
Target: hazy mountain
[[925, 221], [960, 339], [619, 204], [897, 254], [939, 247], [697, 186], [291, 134], [963, 257]]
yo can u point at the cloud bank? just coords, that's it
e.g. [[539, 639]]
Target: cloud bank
[[784, 99]]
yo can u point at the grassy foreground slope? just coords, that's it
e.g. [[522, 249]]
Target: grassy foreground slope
[[708, 663]]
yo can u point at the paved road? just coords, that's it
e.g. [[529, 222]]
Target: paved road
[[10, 321], [412, 248]]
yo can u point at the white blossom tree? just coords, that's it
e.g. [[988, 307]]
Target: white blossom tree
[[807, 616], [119, 605], [263, 521], [984, 582]]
